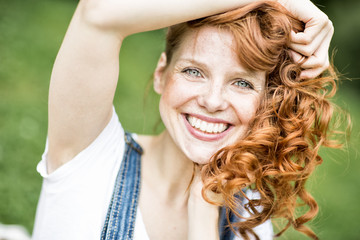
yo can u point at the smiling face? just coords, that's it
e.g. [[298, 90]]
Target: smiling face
[[208, 98]]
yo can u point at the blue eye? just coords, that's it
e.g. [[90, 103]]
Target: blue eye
[[193, 72], [243, 84]]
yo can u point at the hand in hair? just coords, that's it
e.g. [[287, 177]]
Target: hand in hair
[[311, 46]]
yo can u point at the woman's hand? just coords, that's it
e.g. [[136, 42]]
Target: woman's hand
[[86, 69], [203, 217], [310, 48]]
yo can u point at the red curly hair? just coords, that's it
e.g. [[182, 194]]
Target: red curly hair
[[280, 150]]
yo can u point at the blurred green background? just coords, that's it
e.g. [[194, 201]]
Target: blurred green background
[[30, 34]]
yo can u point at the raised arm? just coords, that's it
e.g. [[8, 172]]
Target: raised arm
[[86, 69]]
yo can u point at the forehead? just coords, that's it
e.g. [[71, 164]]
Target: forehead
[[214, 48], [208, 41]]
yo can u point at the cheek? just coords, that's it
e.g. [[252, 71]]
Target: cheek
[[176, 93], [246, 107], [170, 100]]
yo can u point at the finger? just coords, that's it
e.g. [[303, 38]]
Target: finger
[[310, 48], [320, 59], [312, 29], [297, 57], [311, 73], [313, 62]]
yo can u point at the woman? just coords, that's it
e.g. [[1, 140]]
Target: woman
[[219, 79]]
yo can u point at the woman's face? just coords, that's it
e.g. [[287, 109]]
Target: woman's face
[[208, 99]]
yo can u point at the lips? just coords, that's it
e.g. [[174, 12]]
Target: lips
[[205, 128]]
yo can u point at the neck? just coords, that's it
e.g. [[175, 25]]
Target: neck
[[165, 168]]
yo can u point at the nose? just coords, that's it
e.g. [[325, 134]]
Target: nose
[[212, 98]]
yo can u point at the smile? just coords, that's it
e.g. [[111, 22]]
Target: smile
[[207, 127]]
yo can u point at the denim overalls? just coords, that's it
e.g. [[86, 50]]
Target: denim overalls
[[120, 219]]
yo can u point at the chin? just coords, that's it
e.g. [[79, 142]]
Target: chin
[[200, 158]]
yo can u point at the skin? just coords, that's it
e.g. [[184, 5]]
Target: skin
[[221, 90], [84, 80], [310, 48]]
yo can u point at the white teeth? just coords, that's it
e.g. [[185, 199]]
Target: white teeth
[[222, 127], [206, 126], [203, 126], [197, 123], [216, 128], [210, 128]]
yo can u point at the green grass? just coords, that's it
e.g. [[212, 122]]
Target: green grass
[[30, 35]]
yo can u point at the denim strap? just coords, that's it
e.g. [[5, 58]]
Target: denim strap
[[120, 218], [224, 229]]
